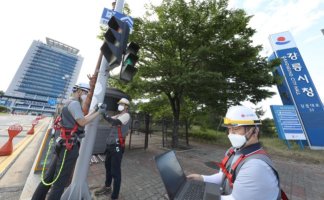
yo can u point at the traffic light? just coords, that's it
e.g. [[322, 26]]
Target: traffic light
[[128, 69], [115, 41]]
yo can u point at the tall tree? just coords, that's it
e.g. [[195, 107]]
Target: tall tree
[[200, 51]]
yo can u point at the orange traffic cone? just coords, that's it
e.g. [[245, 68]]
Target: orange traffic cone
[[13, 131], [32, 130]]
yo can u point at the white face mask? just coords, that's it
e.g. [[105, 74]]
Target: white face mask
[[121, 108], [83, 97], [237, 140]]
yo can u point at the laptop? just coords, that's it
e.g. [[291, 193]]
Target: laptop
[[176, 183]]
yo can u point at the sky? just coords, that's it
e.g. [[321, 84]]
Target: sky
[[76, 23]]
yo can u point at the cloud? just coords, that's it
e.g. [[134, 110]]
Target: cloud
[[276, 16], [312, 39]]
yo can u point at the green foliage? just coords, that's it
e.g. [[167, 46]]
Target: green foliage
[[1, 93], [202, 51], [4, 109], [276, 147], [158, 107], [268, 128], [209, 135], [197, 55]]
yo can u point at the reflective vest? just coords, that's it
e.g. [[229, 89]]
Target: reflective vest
[[231, 169]]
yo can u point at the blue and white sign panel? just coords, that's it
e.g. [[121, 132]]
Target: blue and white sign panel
[[306, 100], [107, 14], [51, 102], [287, 123]]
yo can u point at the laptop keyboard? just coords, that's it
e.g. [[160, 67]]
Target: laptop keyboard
[[195, 191]]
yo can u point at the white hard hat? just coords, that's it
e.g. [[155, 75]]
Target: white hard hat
[[241, 116], [82, 86], [124, 101]]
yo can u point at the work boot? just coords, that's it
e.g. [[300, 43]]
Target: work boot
[[103, 190]]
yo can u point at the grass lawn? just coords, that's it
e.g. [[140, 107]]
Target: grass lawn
[[274, 146]]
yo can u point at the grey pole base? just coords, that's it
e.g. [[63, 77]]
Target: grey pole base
[[77, 191]]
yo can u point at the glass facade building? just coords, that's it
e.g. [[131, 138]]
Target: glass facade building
[[47, 74]]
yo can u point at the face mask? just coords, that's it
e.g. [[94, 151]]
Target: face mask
[[121, 107], [237, 140], [83, 97]]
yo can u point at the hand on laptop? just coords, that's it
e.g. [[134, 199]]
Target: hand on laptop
[[196, 177]]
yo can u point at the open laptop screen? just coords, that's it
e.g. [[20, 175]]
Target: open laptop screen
[[171, 172]]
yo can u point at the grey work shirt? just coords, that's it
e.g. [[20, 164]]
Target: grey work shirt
[[71, 114], [255, 180], [113, 134], [76, 110]]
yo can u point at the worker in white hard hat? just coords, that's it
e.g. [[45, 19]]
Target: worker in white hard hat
[[85, 88], [115, 149], [246, 172], [69, 129]]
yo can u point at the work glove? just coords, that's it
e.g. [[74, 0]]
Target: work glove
[[101, 108], [105, 116]]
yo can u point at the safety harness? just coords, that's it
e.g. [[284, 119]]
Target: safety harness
[[120, 137], [231, 171], [230, 175], [66, 134]]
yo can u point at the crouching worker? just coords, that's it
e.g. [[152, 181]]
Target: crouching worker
[[115, 149], [70, 126], [246, 172]]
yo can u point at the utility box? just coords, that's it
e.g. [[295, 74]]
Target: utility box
[[112, 96]]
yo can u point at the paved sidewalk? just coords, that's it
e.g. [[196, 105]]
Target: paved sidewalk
[[140, 179], [17, 170]]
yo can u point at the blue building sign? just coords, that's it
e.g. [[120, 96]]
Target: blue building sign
[[300, 88], [51, 102]]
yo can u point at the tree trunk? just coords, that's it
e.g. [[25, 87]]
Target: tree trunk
[[187, 132], [175, 104], [175, 134]]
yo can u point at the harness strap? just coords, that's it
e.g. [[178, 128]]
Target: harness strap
[[222, 165], [231, 173], [283, 195], [120, 137], [260, 154], [67, 137], [57, 125]]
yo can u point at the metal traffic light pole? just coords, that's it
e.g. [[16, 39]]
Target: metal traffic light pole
[[79, 189]]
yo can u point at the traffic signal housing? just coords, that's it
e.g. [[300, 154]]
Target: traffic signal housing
[[115, 42], [128, 69]]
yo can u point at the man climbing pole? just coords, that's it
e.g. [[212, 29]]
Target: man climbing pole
[[70, 125]]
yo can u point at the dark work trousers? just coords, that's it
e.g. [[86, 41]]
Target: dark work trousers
[[57, 188], [114, 155]]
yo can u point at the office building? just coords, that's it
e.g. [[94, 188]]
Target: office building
[[44, 78]]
